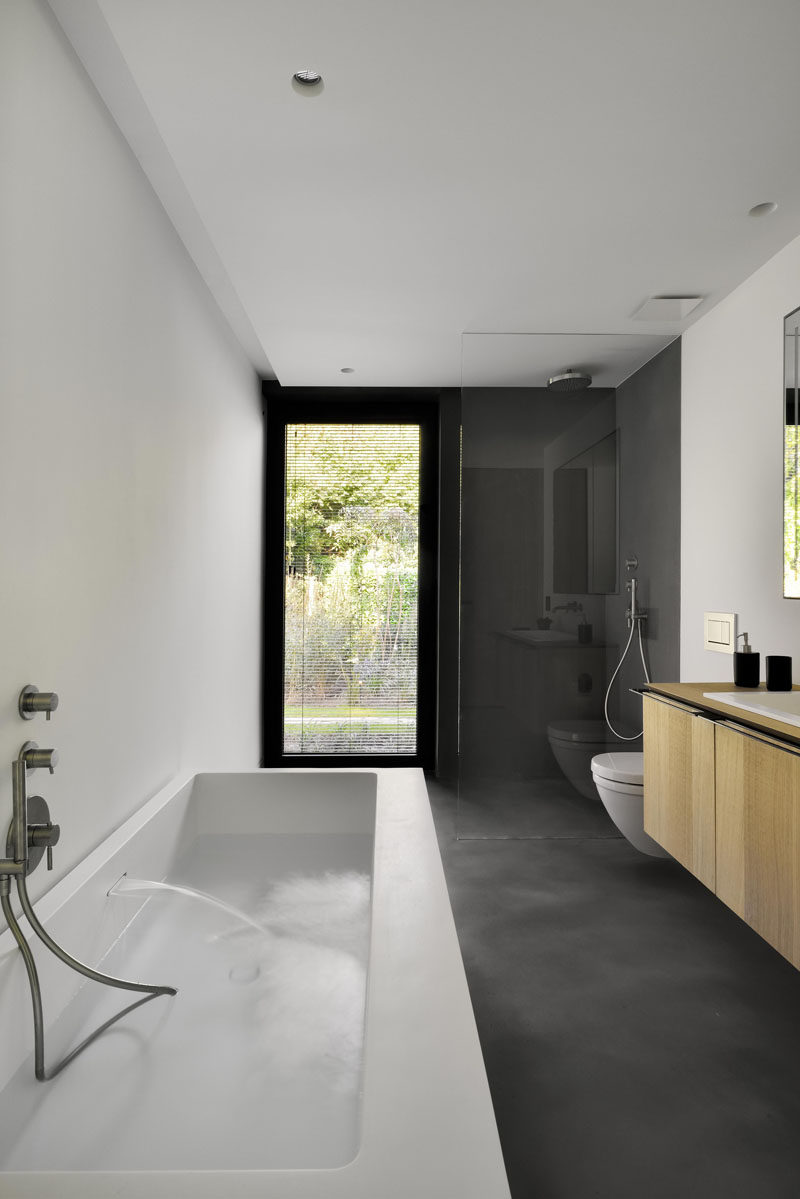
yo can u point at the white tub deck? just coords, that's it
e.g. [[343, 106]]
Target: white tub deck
[[419, 1119]]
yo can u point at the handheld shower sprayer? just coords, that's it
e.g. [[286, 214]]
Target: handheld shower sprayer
[[631, 586], [635, 618]]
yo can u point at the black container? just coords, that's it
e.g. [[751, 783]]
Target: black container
[[779, 672], [746, 669]]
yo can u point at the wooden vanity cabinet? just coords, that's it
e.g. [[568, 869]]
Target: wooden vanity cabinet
[[758, 834], [679, 784], [724, 800]]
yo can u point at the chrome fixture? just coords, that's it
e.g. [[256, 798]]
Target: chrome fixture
[[30, 757], [569, 606], [636, 618], [31, 835], [570, 380], [38, 759], [634, 613], [42, 833], [32, 700]]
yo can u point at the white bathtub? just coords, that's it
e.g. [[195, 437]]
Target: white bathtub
[[251, 1080]]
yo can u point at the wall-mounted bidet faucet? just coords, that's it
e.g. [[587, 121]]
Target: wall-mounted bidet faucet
[[31, 835]]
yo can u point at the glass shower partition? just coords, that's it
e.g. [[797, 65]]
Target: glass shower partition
[[539, 560]]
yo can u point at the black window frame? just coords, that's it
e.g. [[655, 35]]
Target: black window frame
[[284, 406]]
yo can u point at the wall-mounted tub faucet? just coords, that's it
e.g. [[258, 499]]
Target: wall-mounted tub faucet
[[20, 840], [30, 835]]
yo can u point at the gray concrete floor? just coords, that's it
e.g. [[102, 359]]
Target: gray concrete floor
[[640, 1041]]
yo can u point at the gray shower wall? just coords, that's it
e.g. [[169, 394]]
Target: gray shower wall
[[507, 691], [505, 574], [649, 424]]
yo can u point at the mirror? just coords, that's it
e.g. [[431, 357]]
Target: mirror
[[791, 456], [585, 521]]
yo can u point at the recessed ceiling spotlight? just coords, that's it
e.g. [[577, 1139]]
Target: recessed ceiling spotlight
[[765, 209], [347, 370], [307, 78]]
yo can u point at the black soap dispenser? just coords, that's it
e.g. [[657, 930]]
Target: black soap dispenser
[[746, 665]]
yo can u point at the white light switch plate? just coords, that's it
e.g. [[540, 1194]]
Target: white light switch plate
[[719, 631]]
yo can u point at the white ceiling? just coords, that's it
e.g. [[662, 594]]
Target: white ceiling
[[533, 167]]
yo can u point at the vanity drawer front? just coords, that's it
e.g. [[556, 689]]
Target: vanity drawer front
[[679, 784], [758, 835]]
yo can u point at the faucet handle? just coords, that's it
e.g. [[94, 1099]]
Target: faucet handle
[[33, 757], [32, 700], [41, 834], [44, 836]]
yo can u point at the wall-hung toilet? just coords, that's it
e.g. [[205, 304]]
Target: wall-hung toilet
[[574, 744], [619, 778]]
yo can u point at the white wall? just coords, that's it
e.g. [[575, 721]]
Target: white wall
[[732, 470], [130, 465]]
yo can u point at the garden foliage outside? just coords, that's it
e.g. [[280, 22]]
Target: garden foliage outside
[[352, 556]]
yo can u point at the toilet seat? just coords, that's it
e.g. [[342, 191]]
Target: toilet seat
[[623, 769]]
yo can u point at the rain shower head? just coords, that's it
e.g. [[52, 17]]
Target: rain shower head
[[569, 381]]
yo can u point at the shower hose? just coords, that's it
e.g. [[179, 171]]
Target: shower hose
[[636, 624]]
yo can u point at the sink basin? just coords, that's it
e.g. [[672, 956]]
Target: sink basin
[[778, 705]]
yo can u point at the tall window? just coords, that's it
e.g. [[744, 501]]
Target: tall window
[[351, 585], [351, 588]]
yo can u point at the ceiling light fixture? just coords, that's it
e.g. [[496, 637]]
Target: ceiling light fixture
[[765, 209], [307, 78]]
